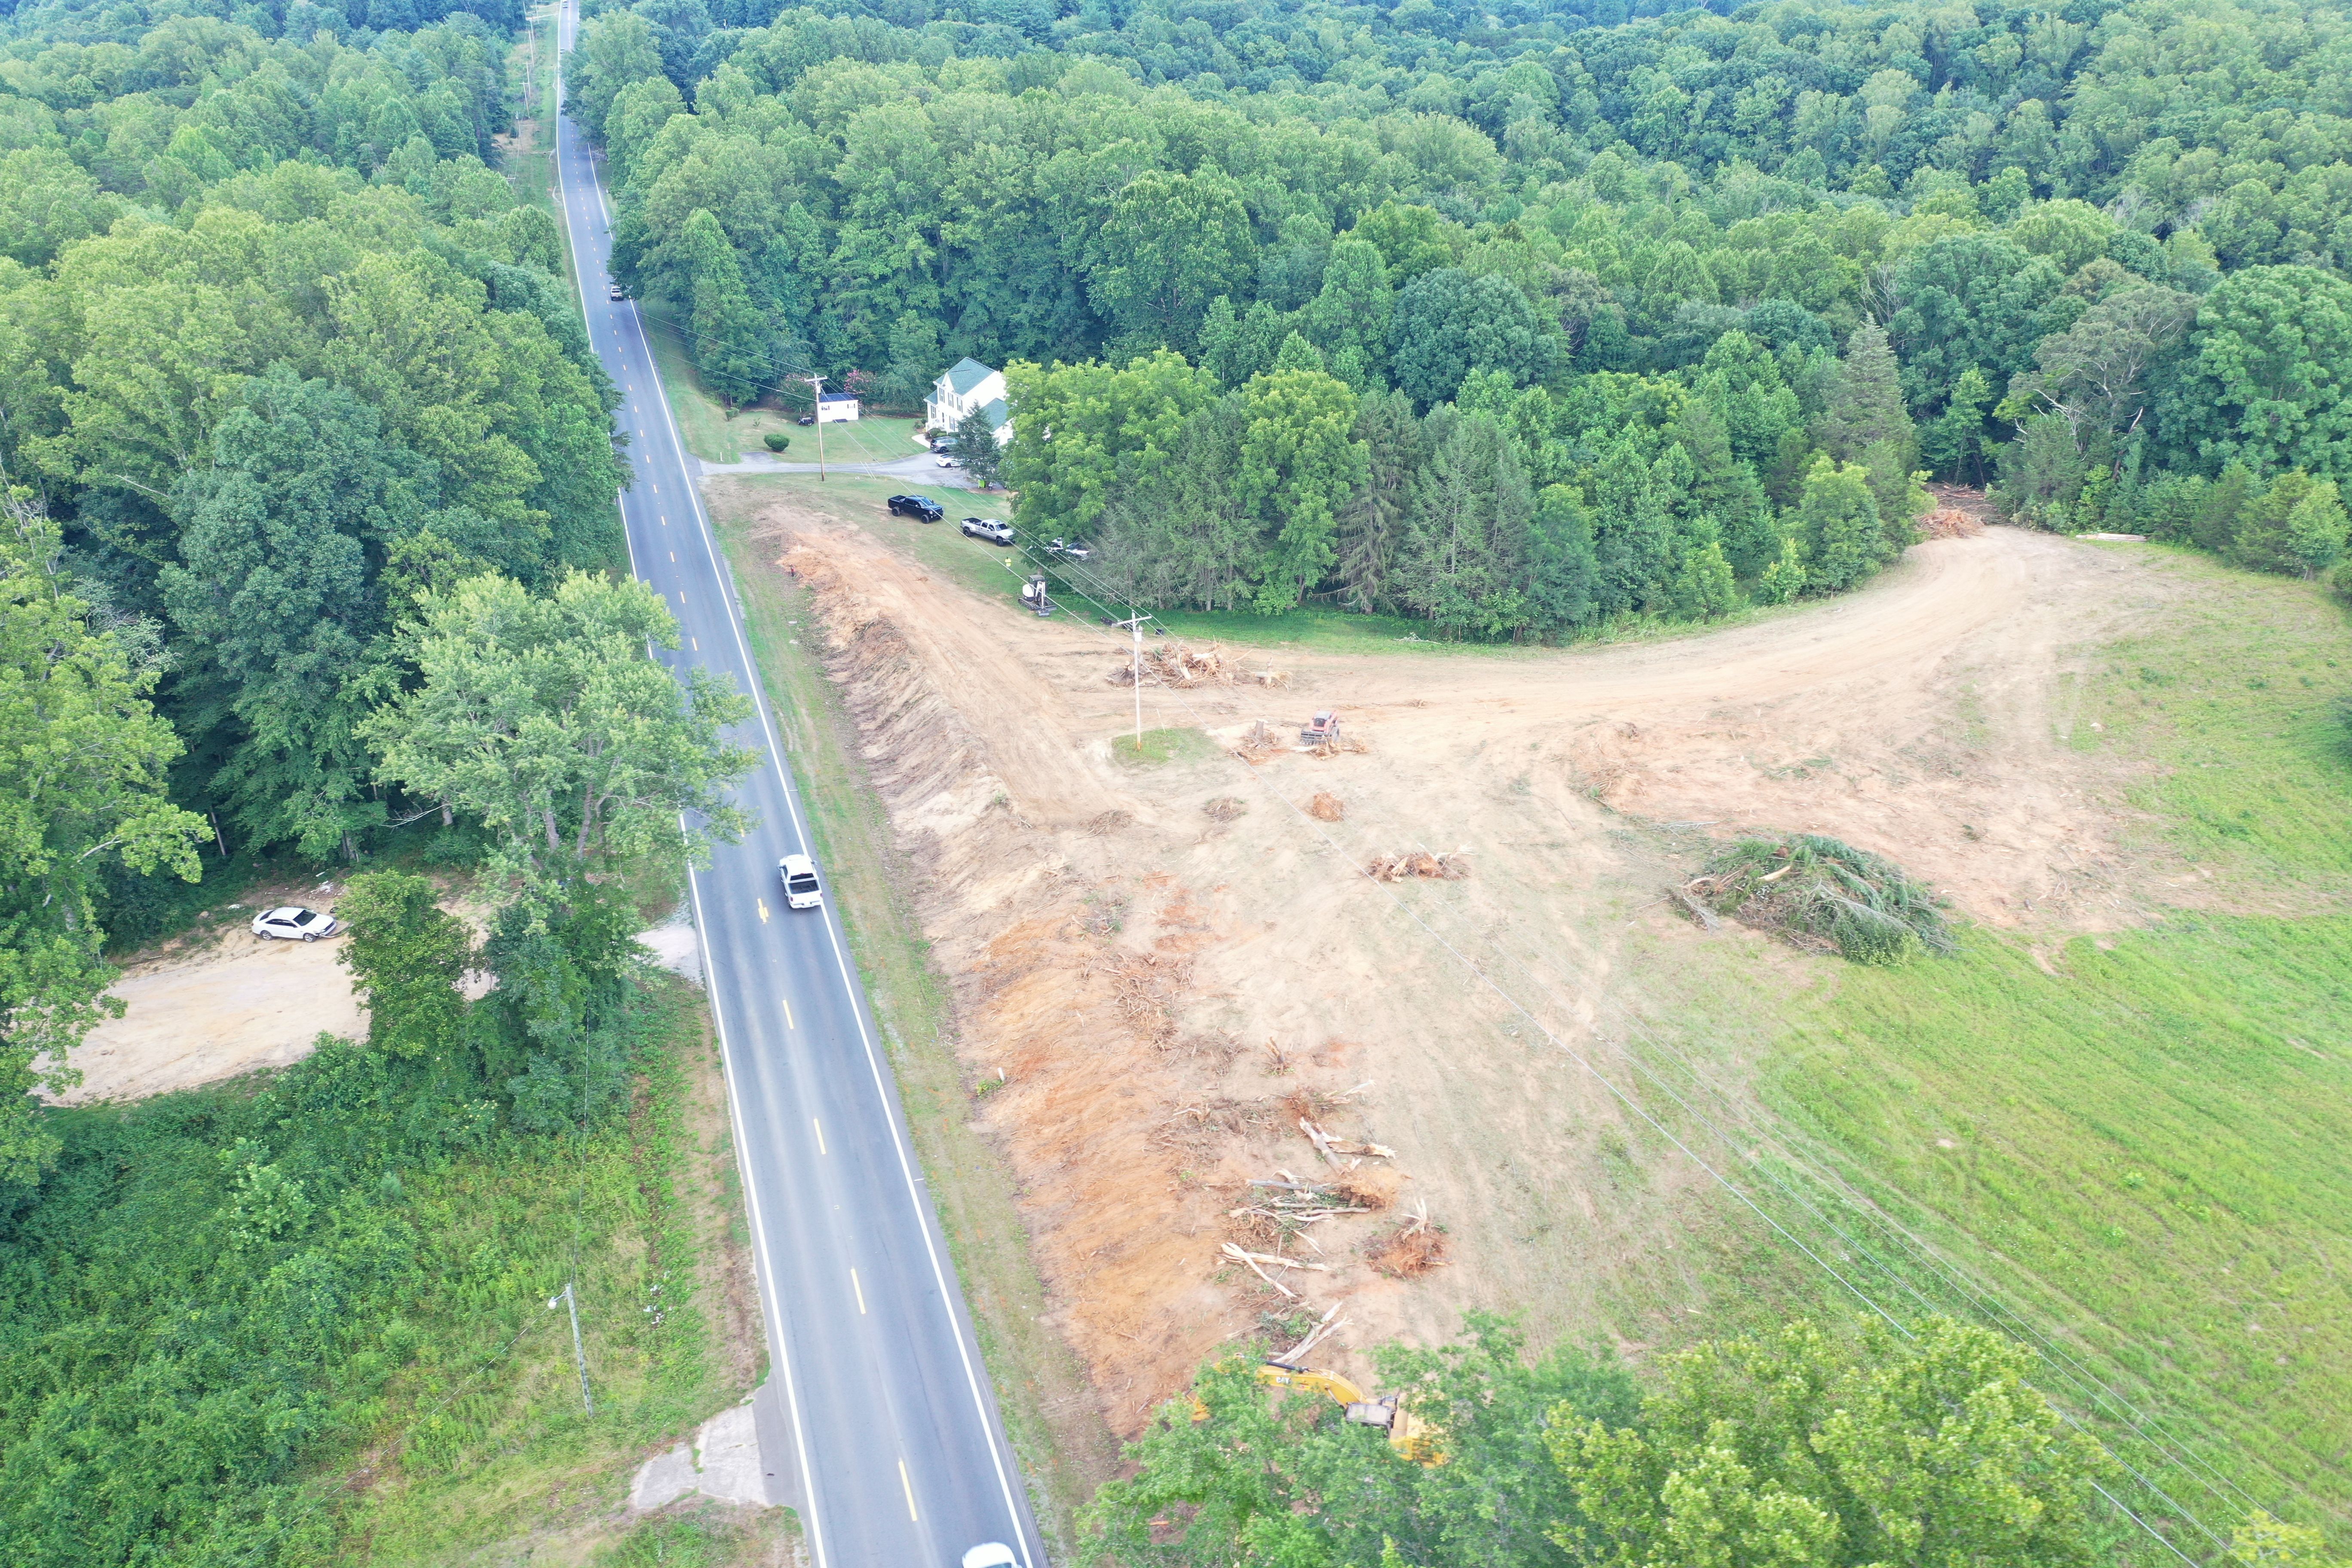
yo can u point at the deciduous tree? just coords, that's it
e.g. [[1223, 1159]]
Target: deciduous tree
[[1820, 1450], [407, 957], [82, 760], [542, 717]]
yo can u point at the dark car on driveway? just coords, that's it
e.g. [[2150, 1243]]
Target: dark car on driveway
[[922, 508]]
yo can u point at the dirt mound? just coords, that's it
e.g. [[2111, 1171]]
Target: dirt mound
[[1327, 807], [1370, 1186], [1224, 807]]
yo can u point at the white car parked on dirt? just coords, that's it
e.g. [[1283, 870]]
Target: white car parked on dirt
[[294, 923]]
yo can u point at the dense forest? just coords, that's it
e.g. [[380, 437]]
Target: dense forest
[[306, 521], [1451, 285]]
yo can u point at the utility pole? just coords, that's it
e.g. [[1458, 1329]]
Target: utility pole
[[816, 407], [578, 1355], [1135, 624]]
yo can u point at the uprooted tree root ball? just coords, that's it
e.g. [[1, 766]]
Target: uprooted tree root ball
[[1408, 1252], [1326, 807], [1451, 867], [1823, 893]]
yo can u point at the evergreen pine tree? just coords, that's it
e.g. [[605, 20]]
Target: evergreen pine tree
[[1371, 528], [730, 340], [1840, 524], [1866, 400]]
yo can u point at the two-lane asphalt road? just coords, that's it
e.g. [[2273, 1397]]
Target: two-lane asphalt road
[[902, 1460]]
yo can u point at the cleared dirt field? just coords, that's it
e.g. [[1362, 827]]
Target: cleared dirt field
[[1162, 967]]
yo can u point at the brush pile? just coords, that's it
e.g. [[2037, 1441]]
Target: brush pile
[[1174, 665], [1451, 867], [1826, 895], [1145, 990], [1950, 522], [1326, 807]]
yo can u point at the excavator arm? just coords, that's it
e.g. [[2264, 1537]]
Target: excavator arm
[[1412, 1438]]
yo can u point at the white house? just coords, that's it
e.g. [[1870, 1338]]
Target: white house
[[836, 408], [969, 385]]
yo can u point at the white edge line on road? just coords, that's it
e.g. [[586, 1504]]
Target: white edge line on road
[[948, 1295], [808, 1510]]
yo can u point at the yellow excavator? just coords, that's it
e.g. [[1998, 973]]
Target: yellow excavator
[[1411, 1438]]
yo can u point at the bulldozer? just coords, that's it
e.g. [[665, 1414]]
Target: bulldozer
[[1321, 729], [1411, 1438]]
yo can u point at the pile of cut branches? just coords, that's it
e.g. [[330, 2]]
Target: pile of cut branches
[[1823, 893]]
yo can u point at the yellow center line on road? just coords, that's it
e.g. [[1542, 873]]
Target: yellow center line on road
[[819, 1134], [911, 1492], [789, 1024], [763, 912], [860, 1290]]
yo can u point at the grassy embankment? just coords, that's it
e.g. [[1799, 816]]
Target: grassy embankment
[[349, 1357], [485, 1448], [2126, 1149], [1048, 1407]]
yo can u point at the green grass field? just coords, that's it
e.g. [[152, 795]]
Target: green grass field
[[2130, 1151]]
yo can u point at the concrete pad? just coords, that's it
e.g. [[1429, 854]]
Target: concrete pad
[[674, 947], [664, 1478], [726, 1450]]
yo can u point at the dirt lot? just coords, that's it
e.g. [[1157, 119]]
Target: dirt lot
[[1161, 969], [217, 1004], [220, 1001]]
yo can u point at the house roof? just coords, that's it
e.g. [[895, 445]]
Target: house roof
[[997, 413], [838, 397], [968, 373]]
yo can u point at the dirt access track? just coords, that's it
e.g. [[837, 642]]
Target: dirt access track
[[1161, 970]]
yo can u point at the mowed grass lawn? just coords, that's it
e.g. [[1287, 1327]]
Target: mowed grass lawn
[[2143, 1143], [716, 436]]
